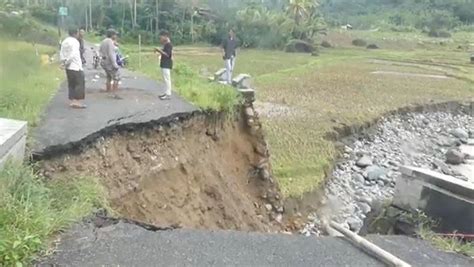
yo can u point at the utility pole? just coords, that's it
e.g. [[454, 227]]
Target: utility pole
[[157, 16], [90, 15], [87, 21], [135, 12]]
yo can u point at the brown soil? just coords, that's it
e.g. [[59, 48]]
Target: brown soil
[[202, 173]]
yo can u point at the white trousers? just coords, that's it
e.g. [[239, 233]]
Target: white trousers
[[167, 79], [229, 66]]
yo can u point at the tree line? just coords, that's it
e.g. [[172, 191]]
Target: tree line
[[258, 23], [401, 15]]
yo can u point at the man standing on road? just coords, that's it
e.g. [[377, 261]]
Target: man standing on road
[[166, 62], [82, 33], [229, 45], [109, 63], [70, 57]]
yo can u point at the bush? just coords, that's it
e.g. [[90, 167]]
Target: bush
[[47, 15], [200, 92], [439, 34], [299, 46], [373, 46], [27, 29], [359, 42], [32, 210], [326, 44]]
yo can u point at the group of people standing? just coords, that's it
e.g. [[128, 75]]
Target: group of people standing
[[73, 60]]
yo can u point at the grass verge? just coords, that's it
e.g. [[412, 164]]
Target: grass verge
[[33, 210], [186, 82], [448, 244], [26, 85]]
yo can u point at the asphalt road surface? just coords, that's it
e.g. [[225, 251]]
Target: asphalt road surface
[[125, 244], [62, 125]]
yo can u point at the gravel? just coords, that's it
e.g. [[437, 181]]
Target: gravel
[[370, 167]]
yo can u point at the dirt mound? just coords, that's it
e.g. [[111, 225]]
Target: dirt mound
[[207, 172], [299, 46]]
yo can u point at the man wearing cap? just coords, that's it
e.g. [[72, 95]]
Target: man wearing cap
[[109, 62]]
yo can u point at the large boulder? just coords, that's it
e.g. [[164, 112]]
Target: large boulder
[[455, 157], [375, 173], [299, 46]]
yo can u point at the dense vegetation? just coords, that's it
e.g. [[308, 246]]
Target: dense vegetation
[[189, 21], [401, 15], [259, 23]]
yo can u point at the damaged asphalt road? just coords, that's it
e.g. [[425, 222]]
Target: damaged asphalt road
[[122, 243], [62, 126]]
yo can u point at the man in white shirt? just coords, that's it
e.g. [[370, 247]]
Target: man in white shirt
[[70, 57]]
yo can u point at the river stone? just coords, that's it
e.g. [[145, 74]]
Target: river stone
[[460, 133], [358, 178], [268, 207], [375, 172], [455, 157], [447, 142], [355, 224], [365, 208], [364, 161], [365, 199]]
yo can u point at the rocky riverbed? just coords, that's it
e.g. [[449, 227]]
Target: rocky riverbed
[[367, 173]]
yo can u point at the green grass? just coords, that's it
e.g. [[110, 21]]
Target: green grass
[[33, 210], [26, 85], [186, 81], [448, 244], [425, 225]]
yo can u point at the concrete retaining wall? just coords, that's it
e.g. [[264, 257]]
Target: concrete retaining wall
[[446, 199], [12, 140]]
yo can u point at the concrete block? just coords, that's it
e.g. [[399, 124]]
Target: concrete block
[[242, 81], [12, 140], [441, 197], [248, 94], [220, 75]]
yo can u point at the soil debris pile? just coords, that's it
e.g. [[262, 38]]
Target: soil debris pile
[[205, 172]]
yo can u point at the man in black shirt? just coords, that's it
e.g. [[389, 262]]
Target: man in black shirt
[[166, 63], [229, 45]]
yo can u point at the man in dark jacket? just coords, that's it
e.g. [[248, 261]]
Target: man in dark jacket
[[229, 46]]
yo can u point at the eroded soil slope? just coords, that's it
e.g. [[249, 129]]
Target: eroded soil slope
[[206, 172]]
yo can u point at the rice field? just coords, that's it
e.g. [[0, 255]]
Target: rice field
[[302, 98]]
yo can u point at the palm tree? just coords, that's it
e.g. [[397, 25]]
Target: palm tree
[[301, 9]]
